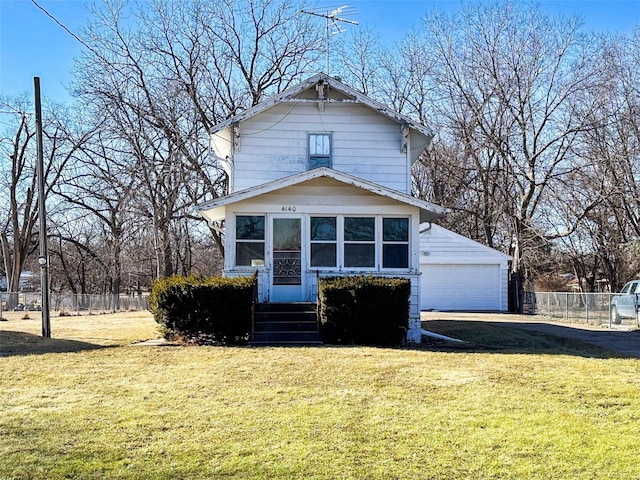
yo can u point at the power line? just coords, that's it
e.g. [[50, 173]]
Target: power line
[[66, 29]]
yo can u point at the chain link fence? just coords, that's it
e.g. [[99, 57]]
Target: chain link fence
[[570, 307], [73, 304], [587, 308]]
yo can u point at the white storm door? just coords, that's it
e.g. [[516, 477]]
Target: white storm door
[[286, 255]]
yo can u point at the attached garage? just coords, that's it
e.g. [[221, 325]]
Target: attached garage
[[459, 274]]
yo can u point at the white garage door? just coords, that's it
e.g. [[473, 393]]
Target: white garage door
[[460, 287]]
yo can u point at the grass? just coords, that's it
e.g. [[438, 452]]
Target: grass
[[504, 338], [104, 408]]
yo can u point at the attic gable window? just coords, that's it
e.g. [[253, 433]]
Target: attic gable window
[[319, 150]]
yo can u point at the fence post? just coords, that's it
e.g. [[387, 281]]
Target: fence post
[[586, 306]]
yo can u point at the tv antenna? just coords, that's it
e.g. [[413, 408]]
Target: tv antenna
[[333, 22]]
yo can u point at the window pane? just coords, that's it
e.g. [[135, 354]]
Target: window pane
[[286, 234], [320, 144], [323, 228], [323, 254], [359, 229], [317, 162], [326, 145], [395, 255], [359, 255], [395, 229], [249, 227], [250, 254]]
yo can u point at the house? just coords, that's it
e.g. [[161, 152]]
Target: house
[[320, 185], [461, 274]]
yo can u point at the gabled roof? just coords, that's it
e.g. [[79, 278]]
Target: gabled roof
[[214, 209], [353, 95]]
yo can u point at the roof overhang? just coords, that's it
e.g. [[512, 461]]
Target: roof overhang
[[215, 210], [425, 227]]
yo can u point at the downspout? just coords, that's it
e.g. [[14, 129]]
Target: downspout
[[427, 333]]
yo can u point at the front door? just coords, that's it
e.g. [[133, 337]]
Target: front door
[[287, 277]]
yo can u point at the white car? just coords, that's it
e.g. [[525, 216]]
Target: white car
[[625, 304]]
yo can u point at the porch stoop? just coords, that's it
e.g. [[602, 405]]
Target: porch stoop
[[285, 324]]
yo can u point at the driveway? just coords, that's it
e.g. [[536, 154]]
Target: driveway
[[623, 341]]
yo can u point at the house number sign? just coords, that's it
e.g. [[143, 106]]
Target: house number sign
[[288, 208]]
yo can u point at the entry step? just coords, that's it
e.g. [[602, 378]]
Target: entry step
[[285, 324]]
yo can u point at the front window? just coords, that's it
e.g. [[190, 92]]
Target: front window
[[395, 243], [324, 242], [250, 240], [359, 242], [319, 150]]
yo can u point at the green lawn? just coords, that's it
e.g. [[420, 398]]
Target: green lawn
[[92, 405]]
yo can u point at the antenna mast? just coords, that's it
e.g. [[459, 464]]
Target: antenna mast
[[331, 19]]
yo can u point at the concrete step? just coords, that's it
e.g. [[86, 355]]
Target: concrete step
[[285, 324], [286, 338], [286, 307]]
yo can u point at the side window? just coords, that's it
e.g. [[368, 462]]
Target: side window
[[319, 150], [395, 243], [359, 242], [626, 288], [324, 242], [250, 240]]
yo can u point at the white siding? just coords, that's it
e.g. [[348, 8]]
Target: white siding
[[330, 197], [461, 274], [273, 144]]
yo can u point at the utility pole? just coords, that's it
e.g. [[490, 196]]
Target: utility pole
[[43, 260]]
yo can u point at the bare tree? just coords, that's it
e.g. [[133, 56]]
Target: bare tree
[[99, 186], [63, 139], [611, 152], [19, 178], [508, 86], [167, 73]]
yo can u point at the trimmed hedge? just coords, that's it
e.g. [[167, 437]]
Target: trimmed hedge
[[364, 310], [216, 310]]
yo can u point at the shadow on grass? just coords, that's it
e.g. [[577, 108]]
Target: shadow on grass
[[530, 338], [21, 343]]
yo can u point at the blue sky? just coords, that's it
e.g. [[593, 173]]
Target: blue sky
[[32, 44]]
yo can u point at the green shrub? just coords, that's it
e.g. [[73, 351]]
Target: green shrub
[[216, 309], [364, 310]]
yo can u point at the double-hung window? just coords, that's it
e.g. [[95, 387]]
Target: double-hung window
[[250, 240], [359, 242], [319, 150], [395, 243], [324, 241]]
